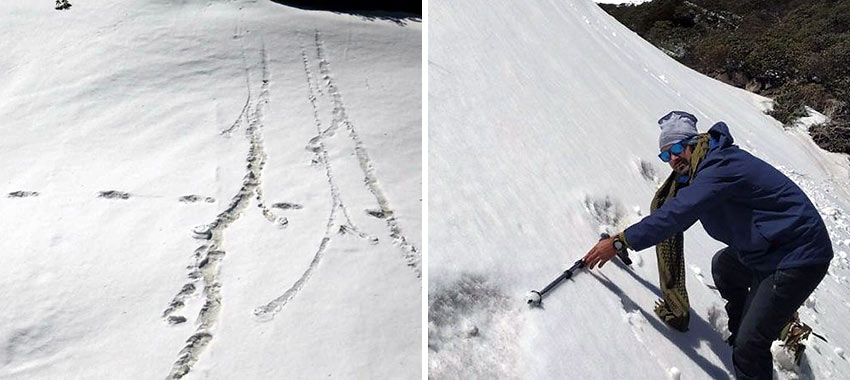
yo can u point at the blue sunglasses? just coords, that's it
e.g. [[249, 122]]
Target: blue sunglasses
[[675, 149]]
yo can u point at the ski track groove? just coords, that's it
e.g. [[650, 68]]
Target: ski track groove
[[410, 253], [238, 122], [268, 311], [208, 257]]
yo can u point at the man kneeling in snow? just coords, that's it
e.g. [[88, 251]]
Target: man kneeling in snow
[[778, 246]]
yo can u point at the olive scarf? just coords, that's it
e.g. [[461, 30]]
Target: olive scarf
[[674, 308]]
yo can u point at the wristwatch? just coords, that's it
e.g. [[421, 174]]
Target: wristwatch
[[619, 245], [622, 253]]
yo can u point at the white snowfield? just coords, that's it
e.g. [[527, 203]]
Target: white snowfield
[[542, 134], [208, 189]]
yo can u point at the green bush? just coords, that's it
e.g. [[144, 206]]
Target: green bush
[[832, 137], [795, 51]]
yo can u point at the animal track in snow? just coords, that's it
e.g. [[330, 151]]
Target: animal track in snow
[[238, 122], [647, 171], [698, 273], [32, 339], [607, 213], [472, 318], [175, 319], [718, 320], [316, 145], [192, 198], [287, 206], [178, 302], [23, 194], [207, 258], [113, 194], [340, 118], [638, 260], [376, 213]]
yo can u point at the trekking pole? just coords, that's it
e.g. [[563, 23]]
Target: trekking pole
[[535, 298]]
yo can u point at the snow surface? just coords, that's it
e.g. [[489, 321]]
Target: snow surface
[[542, 134], [222, 189]]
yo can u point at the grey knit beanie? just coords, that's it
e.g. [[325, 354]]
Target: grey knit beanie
[[676, 126]]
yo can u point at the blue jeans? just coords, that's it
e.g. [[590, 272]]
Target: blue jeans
[[759, 305]]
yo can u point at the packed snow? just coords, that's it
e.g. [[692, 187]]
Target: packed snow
[[542, 134], [209, 189]]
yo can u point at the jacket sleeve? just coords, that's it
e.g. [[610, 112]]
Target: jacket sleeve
[[712, 184]]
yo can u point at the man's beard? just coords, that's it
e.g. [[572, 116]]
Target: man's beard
[[683, 167]]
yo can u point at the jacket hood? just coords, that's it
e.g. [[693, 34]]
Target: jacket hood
[[720, 136]]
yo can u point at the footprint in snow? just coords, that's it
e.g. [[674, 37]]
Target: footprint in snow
[[718, 320], [176, 319], [192, 198], [202, 232], [472, 318], [376, 213], [608, 213], [287, 206], [647, 171], [638, 260], [23, 194], [811, 302], [113, 194], [698, 272]]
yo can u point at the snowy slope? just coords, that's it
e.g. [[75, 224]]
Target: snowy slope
[[266, 169], [542, 134]]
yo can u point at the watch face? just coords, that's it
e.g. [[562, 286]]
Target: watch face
[[618, 245]]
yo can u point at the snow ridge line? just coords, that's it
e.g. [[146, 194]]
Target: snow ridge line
[[208, 257], [268, 311], [410, 253]]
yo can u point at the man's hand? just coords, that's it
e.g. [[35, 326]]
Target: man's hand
[[600, 253]]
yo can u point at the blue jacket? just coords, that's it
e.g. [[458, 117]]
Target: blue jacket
[[746, 203]]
